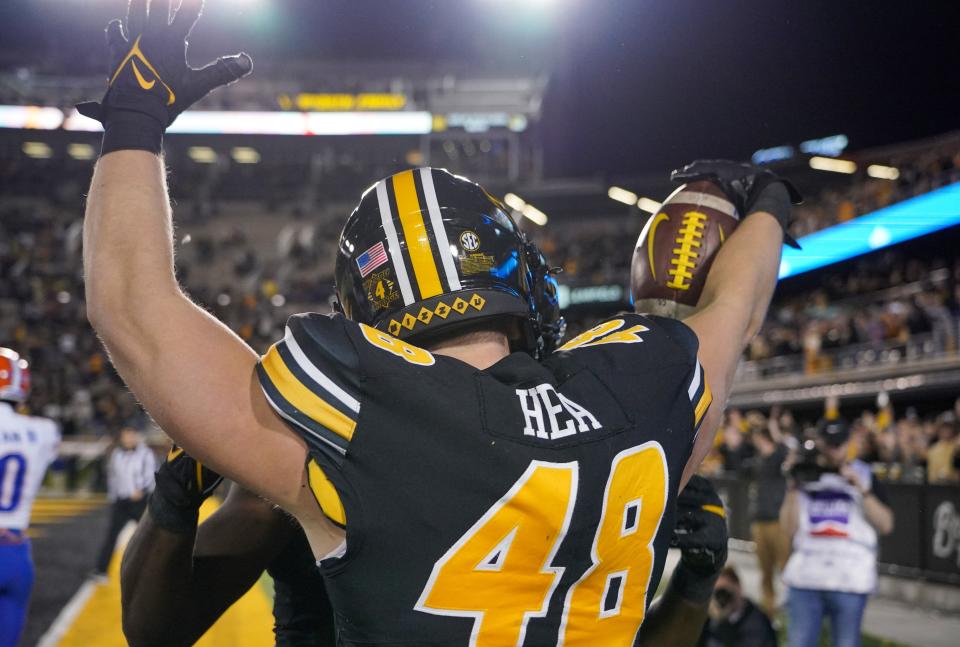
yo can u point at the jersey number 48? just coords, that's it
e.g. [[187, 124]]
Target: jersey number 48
[[501, 572]]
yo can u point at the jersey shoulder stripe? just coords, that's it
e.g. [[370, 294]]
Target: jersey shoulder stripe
[[311, 379], [700, 395]]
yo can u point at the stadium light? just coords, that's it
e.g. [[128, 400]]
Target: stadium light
[[245, 155], [622, 195], [514, 201], [833, 165], [648, 205], [883, 172], [33, 117], [891, 225], [37, 150], [829, 146], [223, 122], [534, 215], [202, 154], [80, 151]]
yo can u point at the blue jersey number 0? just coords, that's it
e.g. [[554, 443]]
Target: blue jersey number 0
[[13, 467]]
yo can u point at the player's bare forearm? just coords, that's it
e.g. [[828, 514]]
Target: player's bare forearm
[[740, 285], [730, 312], [127, 235], [175, 585], [192, 374], [672, 621]]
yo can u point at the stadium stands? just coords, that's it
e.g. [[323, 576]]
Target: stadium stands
[[253, 261]]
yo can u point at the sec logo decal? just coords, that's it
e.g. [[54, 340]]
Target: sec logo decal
[[470, 241]]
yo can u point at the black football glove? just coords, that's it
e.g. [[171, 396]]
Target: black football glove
[[750, 188], [150, 81], [183, 484], [701, 535]]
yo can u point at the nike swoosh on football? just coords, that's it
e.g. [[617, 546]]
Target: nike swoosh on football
[[653, 228]]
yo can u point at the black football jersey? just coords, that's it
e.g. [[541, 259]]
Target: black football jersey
[[301, 608], [530, 503]]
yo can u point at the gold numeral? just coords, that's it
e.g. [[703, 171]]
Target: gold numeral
[[500, 571]]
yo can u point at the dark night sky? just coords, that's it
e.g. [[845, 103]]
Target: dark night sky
[[637, 85]]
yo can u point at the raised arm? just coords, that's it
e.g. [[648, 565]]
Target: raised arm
[[192, 374], [731, 311], [735, 298]]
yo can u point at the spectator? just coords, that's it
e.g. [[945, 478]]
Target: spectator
[[735, 448], [833, 510], [772, 544], [940, 456], [130, 472], [734, 621]]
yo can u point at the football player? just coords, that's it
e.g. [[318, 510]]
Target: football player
[[459, 482], [27, 447]]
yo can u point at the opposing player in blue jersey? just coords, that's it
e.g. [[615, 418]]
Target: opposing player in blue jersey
[[27, 446]]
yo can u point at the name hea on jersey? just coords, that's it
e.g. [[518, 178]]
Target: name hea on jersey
[[543, 407]]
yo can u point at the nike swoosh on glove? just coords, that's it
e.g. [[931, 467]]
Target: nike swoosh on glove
[[150, 81]]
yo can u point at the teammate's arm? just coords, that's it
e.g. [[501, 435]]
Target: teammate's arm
[[673, 621], [676, 619], [733, 306], [176, 584], [192, 374]]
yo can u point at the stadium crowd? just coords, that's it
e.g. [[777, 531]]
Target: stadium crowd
[[886, 307], [905, 447]]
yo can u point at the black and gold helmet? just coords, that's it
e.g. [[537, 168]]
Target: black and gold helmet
[[427, 251]]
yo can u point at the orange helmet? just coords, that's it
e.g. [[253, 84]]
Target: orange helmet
[[14, 376]]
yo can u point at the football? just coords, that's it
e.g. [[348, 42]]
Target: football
[[676, 248]]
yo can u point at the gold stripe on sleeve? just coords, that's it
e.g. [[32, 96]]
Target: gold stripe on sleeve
[[325, 494], [705, 401], [303, 398], [415, 233], [715, 509]]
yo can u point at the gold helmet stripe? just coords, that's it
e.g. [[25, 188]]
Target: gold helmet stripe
[[439, 231], [393, 243], [415, 233]]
